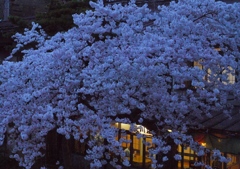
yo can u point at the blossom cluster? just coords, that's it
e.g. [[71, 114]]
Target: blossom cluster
[[121, 63]]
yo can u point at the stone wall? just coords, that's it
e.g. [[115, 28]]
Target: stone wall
[[25, 8], [28, 8]]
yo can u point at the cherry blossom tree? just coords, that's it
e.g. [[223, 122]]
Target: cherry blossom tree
[[123, 64]]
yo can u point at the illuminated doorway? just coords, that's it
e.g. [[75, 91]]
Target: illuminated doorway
[[138, 147]]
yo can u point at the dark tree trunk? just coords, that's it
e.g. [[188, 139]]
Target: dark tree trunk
[[171, 163], [66, 153]]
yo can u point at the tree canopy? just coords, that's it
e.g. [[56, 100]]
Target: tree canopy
[[59, 15], [57, 18], [123, 64]]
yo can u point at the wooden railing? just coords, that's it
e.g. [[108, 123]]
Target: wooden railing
[[6, 26]]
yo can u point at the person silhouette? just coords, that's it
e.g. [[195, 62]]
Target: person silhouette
[[127, 152]]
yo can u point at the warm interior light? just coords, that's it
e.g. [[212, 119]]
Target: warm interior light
[[204, 144], [169, 130]]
